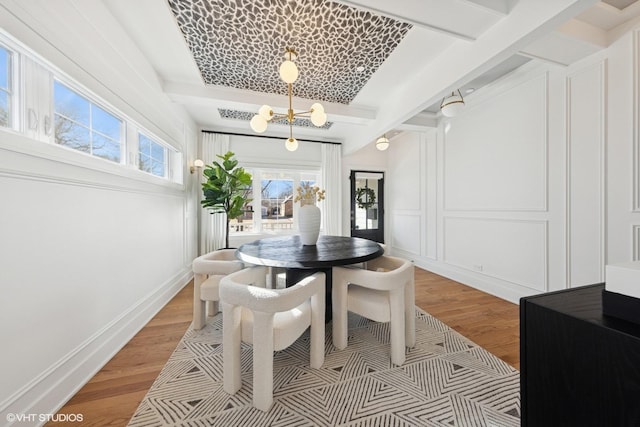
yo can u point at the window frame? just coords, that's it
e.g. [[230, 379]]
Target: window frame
[[92, 102], [13, 68], [298, 176], [32, 80], [167, 152]]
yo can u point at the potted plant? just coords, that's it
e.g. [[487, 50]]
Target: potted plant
[[226, 189]]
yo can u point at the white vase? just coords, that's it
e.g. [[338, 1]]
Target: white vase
[[309, 224]]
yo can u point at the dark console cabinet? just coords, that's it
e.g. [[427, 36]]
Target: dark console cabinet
[[578, 367]]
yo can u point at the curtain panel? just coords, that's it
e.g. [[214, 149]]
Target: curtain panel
[[212, 225], [331, 182]]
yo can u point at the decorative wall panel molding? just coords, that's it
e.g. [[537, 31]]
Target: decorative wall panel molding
[[407, 227], [16, 174], [636, 122], [635, 232], [510, 250], [488, 171], [586, 174]]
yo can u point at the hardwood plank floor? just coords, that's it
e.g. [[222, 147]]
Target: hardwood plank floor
[[111, 397]]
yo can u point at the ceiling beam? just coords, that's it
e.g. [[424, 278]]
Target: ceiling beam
[[462, 62], [244, 100], [388, 10]]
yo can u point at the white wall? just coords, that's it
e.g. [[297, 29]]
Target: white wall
[[89, 250], [534, 187], [367, 158]]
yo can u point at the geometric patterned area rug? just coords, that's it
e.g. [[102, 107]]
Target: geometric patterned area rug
[[446, 380]]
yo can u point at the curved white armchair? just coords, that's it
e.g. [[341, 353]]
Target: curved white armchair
[[270, 319], [383, 292], [208, 269]]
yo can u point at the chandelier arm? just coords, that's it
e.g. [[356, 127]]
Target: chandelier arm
[[300, 113]]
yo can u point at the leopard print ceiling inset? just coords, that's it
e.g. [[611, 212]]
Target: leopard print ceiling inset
[[247, 116], [241, 44]]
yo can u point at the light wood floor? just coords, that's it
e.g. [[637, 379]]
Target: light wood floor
[[111, 397]]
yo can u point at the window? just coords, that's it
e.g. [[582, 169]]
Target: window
[[84, 126], [152, 157], [272, 208], [5, 87], [81, 120]]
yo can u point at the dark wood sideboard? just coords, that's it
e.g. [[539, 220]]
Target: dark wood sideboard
[[578, 366]]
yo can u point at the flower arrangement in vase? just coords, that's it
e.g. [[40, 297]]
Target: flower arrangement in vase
[[309, 213], [307, 194]]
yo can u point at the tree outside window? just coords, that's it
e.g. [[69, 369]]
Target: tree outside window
[[152, 156], [84, 126]]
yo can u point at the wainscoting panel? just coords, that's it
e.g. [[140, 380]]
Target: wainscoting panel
[[406, 228], [431, 197], [511, 250], [505, 170], [90, 261], [636, 121], [635, 231], [586, 144]]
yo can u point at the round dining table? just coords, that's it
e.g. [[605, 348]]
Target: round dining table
[[301, 260]]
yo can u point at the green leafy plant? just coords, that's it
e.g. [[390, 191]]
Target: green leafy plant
[[226, 189]]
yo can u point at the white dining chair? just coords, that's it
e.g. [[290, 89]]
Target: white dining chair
[[208, 270], [270, 320], [382, 292]]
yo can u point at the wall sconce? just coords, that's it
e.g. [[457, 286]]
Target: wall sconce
[[197, 164]]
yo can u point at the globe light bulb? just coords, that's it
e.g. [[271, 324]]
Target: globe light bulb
[[317, 108], [382, 143], [265, 112], [318, 118], [288, 71], [291, 144], [258, 124]]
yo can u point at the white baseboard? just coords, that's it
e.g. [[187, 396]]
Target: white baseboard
[[511, 292], [47, 393]]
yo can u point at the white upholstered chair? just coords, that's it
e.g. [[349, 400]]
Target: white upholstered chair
[[383, 292], [208, 269], [270, 320]]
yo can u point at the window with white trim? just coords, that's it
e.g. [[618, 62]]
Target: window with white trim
[[152, 156], [272, 209], [82, 120], [5, 87], [84, 126]]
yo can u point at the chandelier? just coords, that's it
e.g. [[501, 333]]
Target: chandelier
[[288, 73]]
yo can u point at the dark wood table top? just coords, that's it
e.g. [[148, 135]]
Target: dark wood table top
[[289, 252]]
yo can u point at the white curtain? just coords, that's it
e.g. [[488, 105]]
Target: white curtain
[[331, 182], [212, 227]]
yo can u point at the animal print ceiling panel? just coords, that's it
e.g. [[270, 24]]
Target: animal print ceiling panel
[[241, 44], [247, 116]]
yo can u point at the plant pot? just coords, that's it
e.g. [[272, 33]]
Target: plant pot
[[309, 224]]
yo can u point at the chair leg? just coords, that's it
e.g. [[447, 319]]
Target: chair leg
[[317, 330], [199, 313], [339, 312], [231, 337], [212, 308], [396, 302], [262, 360], [410, 313]]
